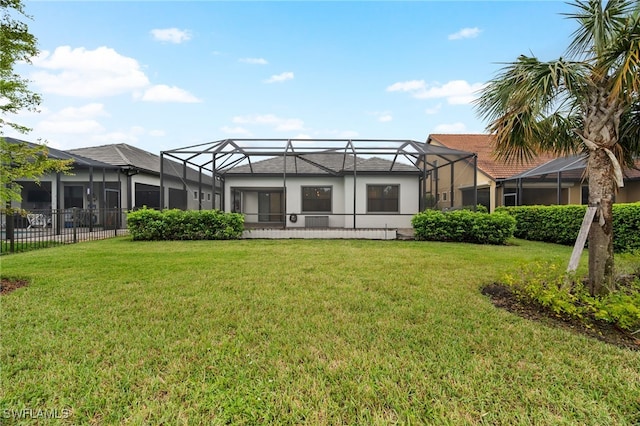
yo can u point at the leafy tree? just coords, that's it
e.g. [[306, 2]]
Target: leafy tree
[[588, 101], [21, 161], [16, 45], [18, 160]]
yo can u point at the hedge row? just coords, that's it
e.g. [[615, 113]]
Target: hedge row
[[150, 224], [561, 224], [463, 226]]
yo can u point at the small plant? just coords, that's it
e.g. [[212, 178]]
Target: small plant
[[566, 296]]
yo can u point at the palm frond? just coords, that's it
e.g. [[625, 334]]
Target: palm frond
[[598, 24], [629, 139], [622, 59], [530, 106]]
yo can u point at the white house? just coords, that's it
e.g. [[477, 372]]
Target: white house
[[328, 183], [322, 191]]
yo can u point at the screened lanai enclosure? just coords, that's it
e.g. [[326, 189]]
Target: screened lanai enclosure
[[318, 183]]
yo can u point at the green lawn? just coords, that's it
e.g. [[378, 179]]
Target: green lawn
[[295, 332]]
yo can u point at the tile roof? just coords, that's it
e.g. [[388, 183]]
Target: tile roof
[[329, 163], [482, 145]]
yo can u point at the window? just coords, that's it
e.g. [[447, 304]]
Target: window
[[195, 195], [316, 199], [383, 198], [444, 196], [208, 196], [73, 197]]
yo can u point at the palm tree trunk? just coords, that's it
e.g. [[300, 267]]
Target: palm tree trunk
[[601, 192]]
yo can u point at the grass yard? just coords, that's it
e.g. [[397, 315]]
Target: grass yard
[[295, 332]]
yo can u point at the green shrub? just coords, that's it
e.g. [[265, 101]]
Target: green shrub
[[149, 224], [463, 226], [561, 224], [566, 296]]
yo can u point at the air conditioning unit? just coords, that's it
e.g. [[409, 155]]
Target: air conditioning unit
[[316, 221]]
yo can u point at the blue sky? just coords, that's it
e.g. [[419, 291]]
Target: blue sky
[[162, 75]]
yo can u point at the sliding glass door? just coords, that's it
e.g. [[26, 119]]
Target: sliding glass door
[[270, 207]]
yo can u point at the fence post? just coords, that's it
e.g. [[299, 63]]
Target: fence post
[[11, 231], [74, 221]]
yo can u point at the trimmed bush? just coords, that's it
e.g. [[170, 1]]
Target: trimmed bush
[[561, 224], [463, 226], [153, 225]]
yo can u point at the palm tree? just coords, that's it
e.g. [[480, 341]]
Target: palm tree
[[588, 101]]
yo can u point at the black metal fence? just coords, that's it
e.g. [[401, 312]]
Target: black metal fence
[[28, 230]]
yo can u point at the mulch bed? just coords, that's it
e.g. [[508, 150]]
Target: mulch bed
[[7, 285], [502, 297]]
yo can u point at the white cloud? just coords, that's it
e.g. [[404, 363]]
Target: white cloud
[[451, 128], [278, 123], [85, 111], [235, 131], [130, 137], [382, 116], [457, 92], [157, 133], [348, 134], [171, 35], [74, 120], [407, 86], [164, 93], [254, 61], [465, 33], [434, 110], [73, 127], [279, 78], [87, 73]]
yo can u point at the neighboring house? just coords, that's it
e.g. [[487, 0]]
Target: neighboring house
[[502, 183], [117, 176], [185, 188], [89, 184], [453, 184], [567, 174]]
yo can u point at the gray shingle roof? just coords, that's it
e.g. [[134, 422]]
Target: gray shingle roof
[[321, 164], [79, 161], [124, 155]]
